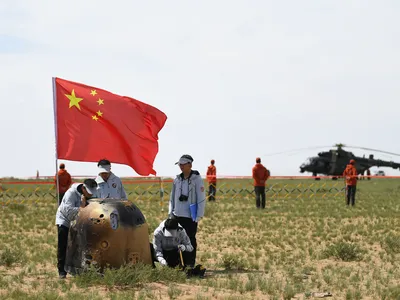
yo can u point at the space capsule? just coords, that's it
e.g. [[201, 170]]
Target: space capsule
[[108, 233]]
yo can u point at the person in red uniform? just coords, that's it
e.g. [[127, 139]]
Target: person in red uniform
[[260, 176], [212, 181], [64, 182], [350, 175]]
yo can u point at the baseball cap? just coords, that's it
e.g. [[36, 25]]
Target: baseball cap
[[91, 191], [186, 158], [104, 169], [90, 186], [171, 227]]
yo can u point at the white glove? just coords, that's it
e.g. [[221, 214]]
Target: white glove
[[181, 247], [162, 261], [83, 201]]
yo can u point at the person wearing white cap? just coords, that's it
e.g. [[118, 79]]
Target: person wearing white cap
[[109, 185], [74, 199], [187, 191], [169, 239]]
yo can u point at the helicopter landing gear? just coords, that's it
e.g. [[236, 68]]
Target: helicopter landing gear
[[316, 177]]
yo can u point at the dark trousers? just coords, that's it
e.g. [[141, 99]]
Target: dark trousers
[[59, 199], [191, 230], [351, 194], [212, 190], [260, 196], [173, 257], [62, 248], [153, 255]]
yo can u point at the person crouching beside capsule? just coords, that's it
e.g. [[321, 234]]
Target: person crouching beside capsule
[[170, 238]]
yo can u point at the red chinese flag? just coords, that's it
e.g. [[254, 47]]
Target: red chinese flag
[[92, 124]]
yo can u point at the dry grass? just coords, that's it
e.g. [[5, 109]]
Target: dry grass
[[289, 250]]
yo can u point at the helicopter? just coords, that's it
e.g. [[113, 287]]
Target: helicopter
[[334, 162]]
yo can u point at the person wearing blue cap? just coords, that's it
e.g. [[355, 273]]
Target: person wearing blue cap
[[187, 202]]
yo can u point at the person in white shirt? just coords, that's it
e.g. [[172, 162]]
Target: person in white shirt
[[108, 184], [74, 199]]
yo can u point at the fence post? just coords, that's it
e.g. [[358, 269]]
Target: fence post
[[161, 194]]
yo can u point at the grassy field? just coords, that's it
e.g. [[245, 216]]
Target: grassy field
[[293, 249]]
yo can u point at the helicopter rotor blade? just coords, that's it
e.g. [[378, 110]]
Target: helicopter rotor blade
[[340, 145], [376, 150], [296, 150]]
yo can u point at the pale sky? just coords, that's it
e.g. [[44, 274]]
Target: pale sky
[[237, 79]]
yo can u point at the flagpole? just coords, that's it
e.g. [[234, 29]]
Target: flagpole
[[55, 134]]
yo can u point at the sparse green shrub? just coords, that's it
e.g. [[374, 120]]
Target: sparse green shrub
[[3, 282], [392, 292], [173, 292], [232, 262], [353, 294], [392, 244], [11, 256], [343, 251], [288, 292], [129, 276], [251, 285]]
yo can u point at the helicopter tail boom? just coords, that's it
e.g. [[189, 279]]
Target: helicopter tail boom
[[382, 163]]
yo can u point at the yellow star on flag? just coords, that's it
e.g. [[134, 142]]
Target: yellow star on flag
[[73, 100], [95, 118], [100, 101], [99, 113], [93, 93]]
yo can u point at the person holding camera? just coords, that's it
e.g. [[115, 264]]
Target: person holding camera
[[188, 191]]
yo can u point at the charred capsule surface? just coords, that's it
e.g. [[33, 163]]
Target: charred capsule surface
[[108, 233]]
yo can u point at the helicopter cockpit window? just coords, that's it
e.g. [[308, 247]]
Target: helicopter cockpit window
[[308, 161]]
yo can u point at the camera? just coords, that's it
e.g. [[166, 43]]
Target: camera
[[183, 198]]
